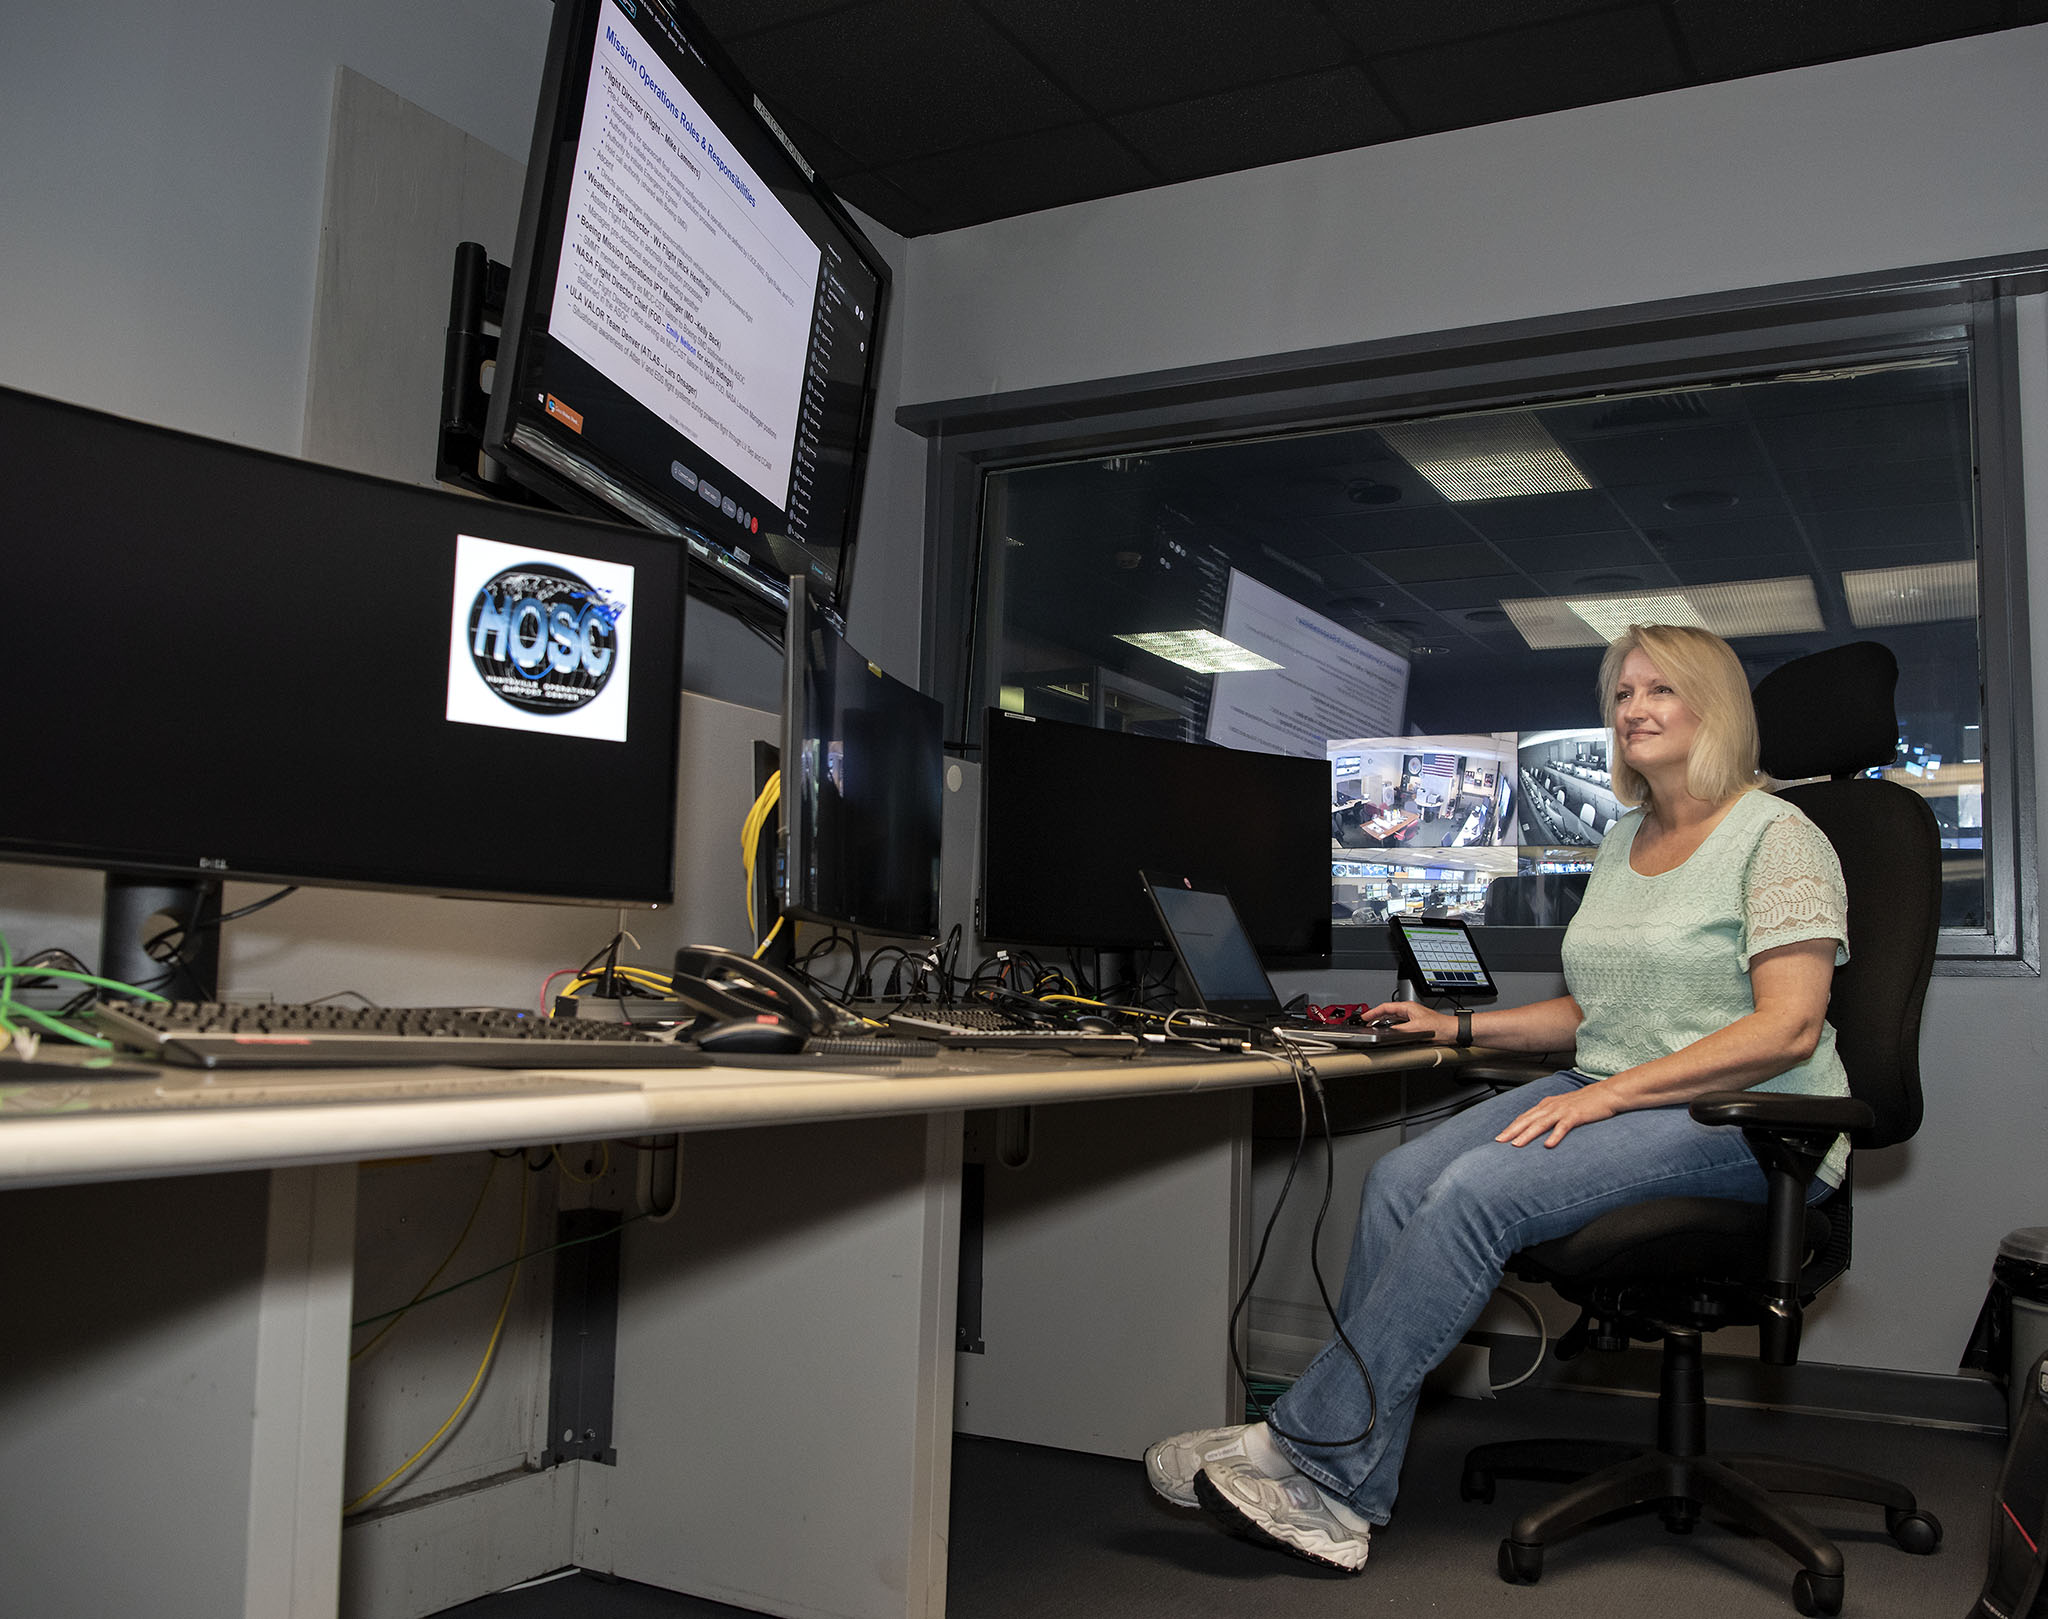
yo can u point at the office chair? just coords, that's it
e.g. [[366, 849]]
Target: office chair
[[1683, 1266]]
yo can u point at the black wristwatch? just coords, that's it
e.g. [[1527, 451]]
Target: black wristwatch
[[1464, 1029]]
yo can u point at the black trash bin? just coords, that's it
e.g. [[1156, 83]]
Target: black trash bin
[[2012, 1328]]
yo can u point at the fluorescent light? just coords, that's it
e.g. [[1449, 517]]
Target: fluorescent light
[[1486, 457], [1748, 607], [1199, 650], [1915, 595]]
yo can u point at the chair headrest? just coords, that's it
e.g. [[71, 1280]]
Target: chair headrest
[[1829, 714]]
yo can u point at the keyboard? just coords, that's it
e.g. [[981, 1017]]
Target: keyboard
[[209, 1034], [990, 1028]]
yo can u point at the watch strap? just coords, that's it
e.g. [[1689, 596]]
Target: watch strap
[[1464, 1028]]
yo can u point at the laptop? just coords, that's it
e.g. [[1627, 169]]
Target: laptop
[[1216, 954]]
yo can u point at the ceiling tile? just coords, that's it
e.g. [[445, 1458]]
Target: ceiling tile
[[1617, 549], [1465, 594], [1116, 58], [1378, 27], [1728, 38], [1020, 175], [900, 78], [1438, 562], [879, 200], [1294, 118], [1572, 62], [1528, 517], [732, 19]]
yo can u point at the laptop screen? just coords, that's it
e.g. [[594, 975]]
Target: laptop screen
[[1214, 949]]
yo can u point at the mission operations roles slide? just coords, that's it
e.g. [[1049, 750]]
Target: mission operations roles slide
[[683, 280]]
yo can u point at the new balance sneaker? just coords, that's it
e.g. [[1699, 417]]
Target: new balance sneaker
[[1289, 1514], [1171, 1465]]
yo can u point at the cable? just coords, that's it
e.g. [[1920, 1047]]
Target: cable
[[1542, 1339], [475, 1383], [750, 836], [1305, 1080], [568, 1174], [170, 940], [761, 949], [468, 1226]]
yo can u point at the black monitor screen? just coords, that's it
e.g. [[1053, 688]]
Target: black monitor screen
[[237, 664], [862, 786], [1071, 815], [691, 321]]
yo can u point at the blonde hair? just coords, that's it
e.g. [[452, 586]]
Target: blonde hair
[[1707, 676]]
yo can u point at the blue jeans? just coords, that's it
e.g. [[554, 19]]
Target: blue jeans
[[1441, 1216]]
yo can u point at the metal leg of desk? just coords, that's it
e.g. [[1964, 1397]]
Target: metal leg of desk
[[172, 1395]]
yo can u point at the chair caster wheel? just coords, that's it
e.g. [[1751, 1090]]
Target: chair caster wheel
[[1916, 1532], [1476, 1485], [1519, 1564], [1816, 1593]]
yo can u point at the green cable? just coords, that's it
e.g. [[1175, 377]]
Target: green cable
[[16, 1013]]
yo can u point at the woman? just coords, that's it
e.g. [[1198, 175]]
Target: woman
[[1700, 960]]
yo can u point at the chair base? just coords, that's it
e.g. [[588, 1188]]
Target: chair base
[[1680, 1481]]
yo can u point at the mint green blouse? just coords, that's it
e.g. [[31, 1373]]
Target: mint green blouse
[[1656, 963]]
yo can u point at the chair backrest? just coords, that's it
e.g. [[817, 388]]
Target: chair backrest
[[1832, 714]]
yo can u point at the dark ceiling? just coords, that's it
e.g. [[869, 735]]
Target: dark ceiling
[[933, 114]]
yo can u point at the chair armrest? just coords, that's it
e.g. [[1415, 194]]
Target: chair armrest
[[1784, 1112], [1790, 1135], [1487, 1066]]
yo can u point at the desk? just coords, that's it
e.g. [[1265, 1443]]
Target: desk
[[173, 1353]]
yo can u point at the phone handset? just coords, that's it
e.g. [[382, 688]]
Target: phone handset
[[728, 983]]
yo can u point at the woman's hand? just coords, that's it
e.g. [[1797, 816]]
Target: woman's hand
[[1555, 1117], [1407, 1013]]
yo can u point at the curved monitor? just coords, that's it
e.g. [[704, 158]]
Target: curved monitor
[[691, 321], [250, 666]]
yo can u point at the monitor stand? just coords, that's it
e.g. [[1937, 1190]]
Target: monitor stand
[[137, 909]]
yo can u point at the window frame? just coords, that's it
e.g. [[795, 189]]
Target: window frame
[[1630, 349]]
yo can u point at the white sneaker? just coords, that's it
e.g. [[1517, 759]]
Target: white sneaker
[[1171, 1465], [1289, 1514]]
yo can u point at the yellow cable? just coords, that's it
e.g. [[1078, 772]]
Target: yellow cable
[[468, 1225], [1107, 1006], [762, 949], [562, 1164], [750, 835], [476, 1382]]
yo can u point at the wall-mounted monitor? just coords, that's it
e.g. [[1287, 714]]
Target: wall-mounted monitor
[[691, 321]]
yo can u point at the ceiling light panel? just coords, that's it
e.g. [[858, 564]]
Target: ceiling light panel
[[1486, 457], [1748, 607], [1199, 650], [1921, 594]]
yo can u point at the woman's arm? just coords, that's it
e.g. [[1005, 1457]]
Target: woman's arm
[[1539, 1026], [1790, 985]]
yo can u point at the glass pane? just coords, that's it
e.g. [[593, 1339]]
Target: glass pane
[[1426, 603]]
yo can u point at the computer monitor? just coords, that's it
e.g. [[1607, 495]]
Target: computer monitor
[[691, 320], [233, 664], [863, 765], [1071, 816]]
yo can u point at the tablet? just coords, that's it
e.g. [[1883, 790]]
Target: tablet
[[1438, 956]]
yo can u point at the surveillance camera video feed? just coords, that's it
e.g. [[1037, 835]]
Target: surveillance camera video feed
[[1420, 825], [1566, 794]]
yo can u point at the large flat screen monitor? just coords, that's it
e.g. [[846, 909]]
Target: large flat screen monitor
[[232, 664], [1072, 815], [863, 763], [691, 320]]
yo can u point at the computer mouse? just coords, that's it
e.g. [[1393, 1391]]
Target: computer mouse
[[762, 1032], [1386, 1020], [1095, 1023]]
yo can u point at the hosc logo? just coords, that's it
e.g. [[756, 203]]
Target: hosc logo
[[542, 638]]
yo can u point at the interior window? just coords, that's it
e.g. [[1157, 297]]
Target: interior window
[[1425, 602]]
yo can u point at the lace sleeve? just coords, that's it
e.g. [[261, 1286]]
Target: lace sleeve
[[1794, 890]]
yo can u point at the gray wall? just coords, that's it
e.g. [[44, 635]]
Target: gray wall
[[1915, 157]]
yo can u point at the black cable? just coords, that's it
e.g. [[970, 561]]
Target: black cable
[[169, 941], [1305, 1080]]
